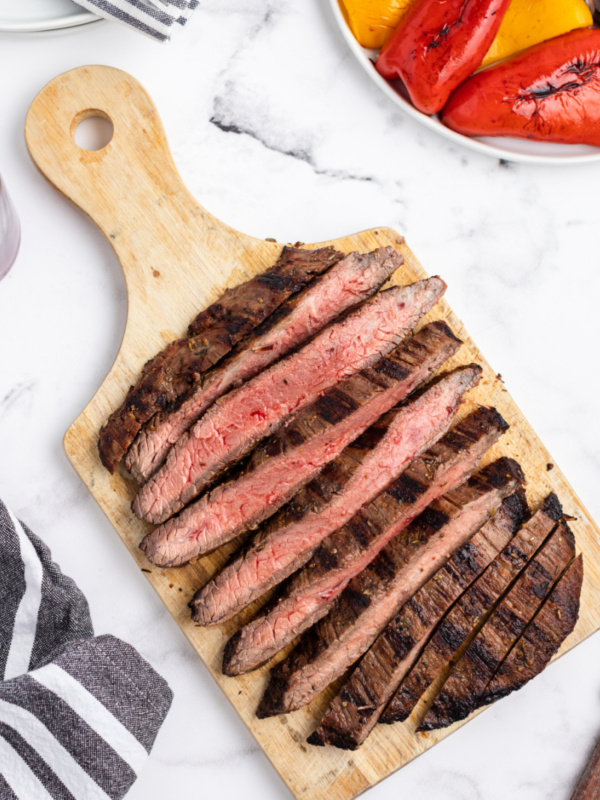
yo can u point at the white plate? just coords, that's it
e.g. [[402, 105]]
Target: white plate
[[503, 147], [24, 16]]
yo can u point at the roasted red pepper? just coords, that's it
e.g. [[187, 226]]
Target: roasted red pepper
[[550, 91], [438, 44]]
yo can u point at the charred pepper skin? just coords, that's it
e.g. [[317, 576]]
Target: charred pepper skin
[[549, 92], [437, 45]]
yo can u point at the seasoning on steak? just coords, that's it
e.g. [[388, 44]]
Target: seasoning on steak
[[349, 282], [312, 591], [372, 598], [211, 335], [541, 639], [235, 424], [356, 708], [297, 452], [471, 607], [471, 674], [355, 477]]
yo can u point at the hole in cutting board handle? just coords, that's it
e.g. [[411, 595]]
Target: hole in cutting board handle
[[92, 130]]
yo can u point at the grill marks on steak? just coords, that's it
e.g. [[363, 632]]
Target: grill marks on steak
[[295, 454], [237, 307], [454, 630], [541, 639], [326, 504], [372, 598], [211, 335], [357, 707], [312, 591], [476, 667], [259, 407], [349, 282]]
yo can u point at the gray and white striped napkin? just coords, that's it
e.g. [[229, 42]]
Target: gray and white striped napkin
[[155, 18], [78, 714]]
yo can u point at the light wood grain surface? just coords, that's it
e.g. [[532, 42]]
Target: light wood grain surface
[[177, 258]]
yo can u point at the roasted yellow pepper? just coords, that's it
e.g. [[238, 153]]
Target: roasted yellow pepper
[[528, 22], [372, 21]]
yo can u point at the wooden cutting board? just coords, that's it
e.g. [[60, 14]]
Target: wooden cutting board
[[177, 258]]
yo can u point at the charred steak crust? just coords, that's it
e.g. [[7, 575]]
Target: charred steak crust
[[473, 671], [355, 710], [211, 335], [455, 628], [348, 283], [372, 598], [293, 270], [314, 588], [542, 637], [259, 407], [279, 467]]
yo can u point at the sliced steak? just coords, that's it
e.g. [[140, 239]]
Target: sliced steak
[[376, 595], [352, 280], [312, 591], [317, 435], [477, 601], [470, 676], [351, 480], [211, 335], [259, 407], [541, 639], [356, 708]]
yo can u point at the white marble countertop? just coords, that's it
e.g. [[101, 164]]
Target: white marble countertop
[[278, 132]]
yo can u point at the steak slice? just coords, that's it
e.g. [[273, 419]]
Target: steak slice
[[210, 336], [477, 601], [541, 639], [355, 710], [312, 591], [240, 305], [350, 481], [473, 671], [232, 427], [372, 598], [296, 453], [349, 282]]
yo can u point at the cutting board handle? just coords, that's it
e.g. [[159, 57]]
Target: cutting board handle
[[130, 188]]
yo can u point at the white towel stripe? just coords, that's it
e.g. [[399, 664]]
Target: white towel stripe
[[25, 626], [19, 775], [58, 758], [92, 711]]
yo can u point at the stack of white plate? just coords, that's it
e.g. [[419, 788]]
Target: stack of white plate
[[24, 16]]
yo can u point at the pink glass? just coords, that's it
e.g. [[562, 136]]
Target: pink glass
[[10, 231]]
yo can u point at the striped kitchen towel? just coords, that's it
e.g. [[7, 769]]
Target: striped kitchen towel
[[78, 714], [155, 18]]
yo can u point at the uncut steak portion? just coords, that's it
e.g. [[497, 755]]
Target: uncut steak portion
[[355, 710], [454, 629], [372, 598], [331, 500], [349, 282], [473, 671], [211, 335], [312, 591], [541, 639], [234, 425], [297, 452]]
